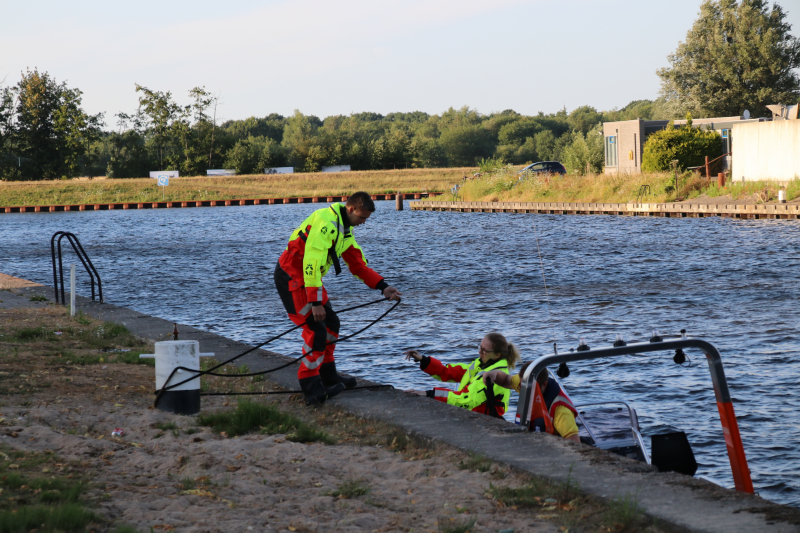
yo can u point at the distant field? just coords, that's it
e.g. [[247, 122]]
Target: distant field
[[70, 192]]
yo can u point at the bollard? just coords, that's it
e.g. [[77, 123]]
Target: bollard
[[721, 179], [781, 197], [183, 399], [72, 290], [398, 201]]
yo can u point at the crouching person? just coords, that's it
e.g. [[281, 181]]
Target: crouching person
[[558, 415], [495, 354]]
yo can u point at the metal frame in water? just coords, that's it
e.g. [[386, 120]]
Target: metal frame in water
[[730, 428]]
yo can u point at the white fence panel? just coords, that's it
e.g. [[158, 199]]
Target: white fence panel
[[279, 170], [337, 168], [170, 173]]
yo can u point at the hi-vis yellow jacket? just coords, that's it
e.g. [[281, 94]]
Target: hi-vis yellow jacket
[[316, 245], [472, 392]]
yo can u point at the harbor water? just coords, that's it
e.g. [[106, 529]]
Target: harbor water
[[462, 275]]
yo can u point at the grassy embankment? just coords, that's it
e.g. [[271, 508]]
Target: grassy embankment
[[71, 192], [42, 491], [504, 185]]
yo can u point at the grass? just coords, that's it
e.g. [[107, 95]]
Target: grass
[[251, 416], [455, 525], [228, 188], [37, 298], [32, 502], [537, 493], [43, 518], [350, 488], [505, 185], [476, 463], [625, 514]]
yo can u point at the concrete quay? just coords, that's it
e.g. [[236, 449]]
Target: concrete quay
[[203, 203], [680, 502], [679, 210]]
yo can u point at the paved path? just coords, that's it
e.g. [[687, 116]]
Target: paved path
[[686, 503]]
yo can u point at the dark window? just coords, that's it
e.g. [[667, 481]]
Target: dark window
[[727, 141]]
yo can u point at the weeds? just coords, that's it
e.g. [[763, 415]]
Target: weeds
[[68, 517], [350, 488], [455, 525], [251, 416], [476, 463], [164, 426], [37, 298], [625, 514]]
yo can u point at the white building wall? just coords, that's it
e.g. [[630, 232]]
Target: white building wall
[[766, 151]]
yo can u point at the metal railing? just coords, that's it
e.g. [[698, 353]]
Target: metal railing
[[730, 427], [643, 190], [58, 274]]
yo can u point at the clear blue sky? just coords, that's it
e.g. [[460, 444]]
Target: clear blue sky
[[327, 58]]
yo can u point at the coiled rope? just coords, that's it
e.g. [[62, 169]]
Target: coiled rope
[[210, 371]]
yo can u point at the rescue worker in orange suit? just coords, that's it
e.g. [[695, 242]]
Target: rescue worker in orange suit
[[496, 354], [315, 246], [553, 411]]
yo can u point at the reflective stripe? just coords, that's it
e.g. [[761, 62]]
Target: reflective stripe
[[319, 294], [332, 337], [312, 365], [306, 308], [307, 348], [441, 393]]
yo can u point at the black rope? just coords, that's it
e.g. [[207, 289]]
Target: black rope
[[367, 387], [211, 372]]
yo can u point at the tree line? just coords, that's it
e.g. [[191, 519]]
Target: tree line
[[737, 56], [47, 135]]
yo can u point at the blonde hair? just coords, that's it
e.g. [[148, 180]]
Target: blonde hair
[[505, 349]]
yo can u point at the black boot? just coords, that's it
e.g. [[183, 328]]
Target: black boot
[[316, 393], [327, 371]]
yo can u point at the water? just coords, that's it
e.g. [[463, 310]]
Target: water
[[463, 275]]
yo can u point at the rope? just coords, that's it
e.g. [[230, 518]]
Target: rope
[[368, 387], [544, 280], [211, 372]]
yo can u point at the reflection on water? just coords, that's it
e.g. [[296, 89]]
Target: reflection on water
[[463, 275]]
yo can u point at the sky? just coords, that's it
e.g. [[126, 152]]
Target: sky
[[329, 58]]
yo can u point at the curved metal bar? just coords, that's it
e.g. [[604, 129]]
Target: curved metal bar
[[81, 254], [53, 257], [90, 269], [58, 272], [730, 428]]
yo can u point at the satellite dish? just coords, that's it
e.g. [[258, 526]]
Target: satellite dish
[[746, 114]]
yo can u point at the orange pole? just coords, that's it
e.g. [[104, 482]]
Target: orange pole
[[733, 441], [708, 174]]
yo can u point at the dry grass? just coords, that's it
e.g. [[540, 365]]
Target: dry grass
[[72, 192], [506, 186]]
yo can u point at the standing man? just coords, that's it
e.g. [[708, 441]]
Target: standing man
[[313, 248]]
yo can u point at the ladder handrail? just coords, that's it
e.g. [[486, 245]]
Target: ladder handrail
[[730, 427], [58, 275]]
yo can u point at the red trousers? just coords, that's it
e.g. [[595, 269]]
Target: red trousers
[[316, 335]]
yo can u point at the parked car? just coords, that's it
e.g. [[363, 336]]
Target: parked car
[[549, 167]]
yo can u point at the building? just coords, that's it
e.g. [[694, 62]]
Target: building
[[624, 140], [767, 150]]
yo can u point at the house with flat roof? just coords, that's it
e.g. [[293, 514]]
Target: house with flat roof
[[624, 140]]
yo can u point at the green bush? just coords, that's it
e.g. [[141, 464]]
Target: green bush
[[686, 144]]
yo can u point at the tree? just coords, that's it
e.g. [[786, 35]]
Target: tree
[[50, 134], [737, 56], [161, 113], [585, 153], [687, 145], [584, 119]]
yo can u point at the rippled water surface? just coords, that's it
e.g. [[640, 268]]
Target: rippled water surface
[[463, 275]]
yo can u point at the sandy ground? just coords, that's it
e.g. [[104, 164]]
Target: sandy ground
[[190, 479], [10, 282]]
